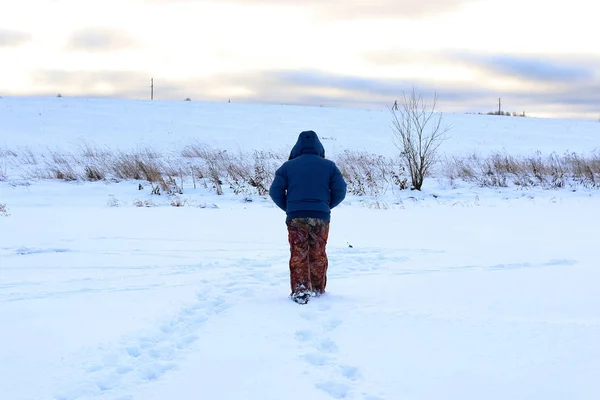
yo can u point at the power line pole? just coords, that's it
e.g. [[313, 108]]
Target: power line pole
[[152, 89], [499, 106]]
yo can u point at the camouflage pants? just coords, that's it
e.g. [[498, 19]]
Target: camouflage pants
[[308, 259]]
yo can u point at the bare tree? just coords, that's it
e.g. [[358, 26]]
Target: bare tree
[[418, 133]]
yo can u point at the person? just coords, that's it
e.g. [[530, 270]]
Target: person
[[307, 187]]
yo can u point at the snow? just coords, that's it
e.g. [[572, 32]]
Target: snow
[[126, 124], [476, 293]]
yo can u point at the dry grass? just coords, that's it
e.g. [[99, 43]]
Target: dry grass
[[113, 201], [144, 203], [141, 165], [250, 173], [177, 201], [243, 173], [4, 210], [502, 170], [369, 174]]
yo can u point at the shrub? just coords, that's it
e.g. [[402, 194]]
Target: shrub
[[418, 133]]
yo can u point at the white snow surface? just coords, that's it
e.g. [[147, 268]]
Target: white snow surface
[[471, 294], [64, 122]]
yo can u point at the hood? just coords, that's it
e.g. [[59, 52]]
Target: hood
[[308, 143]]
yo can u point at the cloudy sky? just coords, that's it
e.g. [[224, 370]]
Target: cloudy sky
[[539, 56]]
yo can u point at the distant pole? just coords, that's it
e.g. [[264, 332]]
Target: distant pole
[[499, 106], [152, 89]]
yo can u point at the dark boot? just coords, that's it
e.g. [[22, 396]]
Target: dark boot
[[301, 295]]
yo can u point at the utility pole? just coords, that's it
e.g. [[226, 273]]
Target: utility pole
[[499, 106], [152, 89]]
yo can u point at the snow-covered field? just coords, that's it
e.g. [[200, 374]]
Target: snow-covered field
[[63, 122], [469, 294]]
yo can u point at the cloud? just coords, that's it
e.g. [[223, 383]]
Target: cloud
[[311, 87], [541, 69], [583, 96], [132, 84], [303, 87], [557, 68], [565, 81], [320, 79], [344, 9], [400, 58], [393, 58], [10, 38], [124, 84], [100, 39]]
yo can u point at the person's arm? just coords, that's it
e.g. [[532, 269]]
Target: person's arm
[[337, 187], [278, 188]]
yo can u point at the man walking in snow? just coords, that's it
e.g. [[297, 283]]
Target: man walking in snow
[[307, 187]]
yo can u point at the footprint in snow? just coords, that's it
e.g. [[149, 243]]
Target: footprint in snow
[[303, 335], [316, 359], [332, 324], [148, 357], [350, 372], [334, 389], [327, 346], [322, 351]]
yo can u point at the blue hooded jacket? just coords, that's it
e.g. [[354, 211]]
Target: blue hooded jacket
[[308, 185]]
